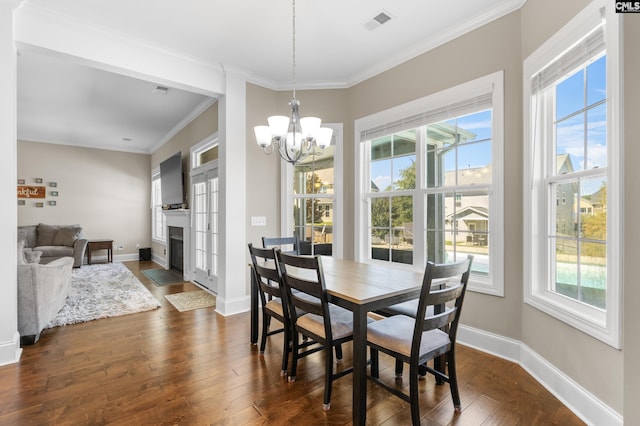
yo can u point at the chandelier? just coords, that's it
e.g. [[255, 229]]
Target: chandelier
[[294, 137]]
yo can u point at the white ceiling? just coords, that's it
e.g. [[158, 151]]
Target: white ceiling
[[61, 101]]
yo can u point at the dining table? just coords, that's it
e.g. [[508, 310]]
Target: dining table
[[361, 288]]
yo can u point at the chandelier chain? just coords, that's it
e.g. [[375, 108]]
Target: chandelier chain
[[294, 137], [293, 56]]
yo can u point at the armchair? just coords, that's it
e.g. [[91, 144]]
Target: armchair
[[42, 291]]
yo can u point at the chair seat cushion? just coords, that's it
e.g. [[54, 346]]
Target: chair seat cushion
[[396, 333], [341, 323], [275, 305], [408, 308]]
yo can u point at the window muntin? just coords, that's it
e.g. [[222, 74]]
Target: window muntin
[[313, 200], [441, 171], [393, 162], [573, 177], [201, 224], [158, 220], [577, 251], [391, 228], [456, 186]]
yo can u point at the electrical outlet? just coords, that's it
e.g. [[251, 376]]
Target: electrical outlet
[[120, 248], [137, 246]]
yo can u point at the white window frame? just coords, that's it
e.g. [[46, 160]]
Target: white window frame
[[493, 283], [160, 239], [604, 325], [202, 146], [286, 187]]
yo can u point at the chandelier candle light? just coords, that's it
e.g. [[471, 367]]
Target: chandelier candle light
[[295, 137]]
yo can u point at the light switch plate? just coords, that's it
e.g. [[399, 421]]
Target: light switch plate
[[258, 221]]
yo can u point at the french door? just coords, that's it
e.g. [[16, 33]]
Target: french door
[[205, 228]]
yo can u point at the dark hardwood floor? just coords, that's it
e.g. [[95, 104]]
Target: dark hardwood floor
[[197, 367]]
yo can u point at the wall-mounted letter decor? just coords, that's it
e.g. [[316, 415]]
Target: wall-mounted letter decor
[[31, 191]]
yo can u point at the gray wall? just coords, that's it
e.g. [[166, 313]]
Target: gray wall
[[631, 293], [106, 192]]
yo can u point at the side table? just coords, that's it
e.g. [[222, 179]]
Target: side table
[[100, 245]]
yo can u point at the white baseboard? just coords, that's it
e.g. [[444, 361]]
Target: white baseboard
[[123, 257], [233, 306], [10, 351], [584, 404], [159, 260]]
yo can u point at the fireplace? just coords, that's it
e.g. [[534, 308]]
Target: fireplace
[[178, 241], [176, 253]]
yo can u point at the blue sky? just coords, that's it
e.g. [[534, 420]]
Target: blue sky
[[469, 154], [570, 130]]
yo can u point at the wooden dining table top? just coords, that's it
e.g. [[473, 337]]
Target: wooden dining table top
[[363, 283]]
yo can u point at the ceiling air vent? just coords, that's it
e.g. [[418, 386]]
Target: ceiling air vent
[[379, 19], [160, 90]]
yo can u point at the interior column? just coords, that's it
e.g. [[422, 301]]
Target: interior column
[[9, 337]]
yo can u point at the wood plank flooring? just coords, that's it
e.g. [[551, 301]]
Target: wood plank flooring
[[198, 367]]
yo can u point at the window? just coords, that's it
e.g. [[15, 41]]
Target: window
[[431, 182], [571, 266], [312, 210], [157, 217], [204, 210]]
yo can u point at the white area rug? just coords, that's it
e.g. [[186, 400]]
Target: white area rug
[[190, 300], [102, 291]]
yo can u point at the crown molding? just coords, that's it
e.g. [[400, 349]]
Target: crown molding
[[418, 49], [183, 123]]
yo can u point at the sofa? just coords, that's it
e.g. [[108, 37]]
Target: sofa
[[54, 242], [42, 291]]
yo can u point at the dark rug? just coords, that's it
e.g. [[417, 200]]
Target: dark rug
[[163, 276]]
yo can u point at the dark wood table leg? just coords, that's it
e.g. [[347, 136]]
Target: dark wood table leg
[[359, 366], [254, 308]]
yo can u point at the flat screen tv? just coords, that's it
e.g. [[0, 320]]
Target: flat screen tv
[[171, 182]]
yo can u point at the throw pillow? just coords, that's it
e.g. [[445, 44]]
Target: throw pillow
[[46, 234], [67, 236], [21, 260]]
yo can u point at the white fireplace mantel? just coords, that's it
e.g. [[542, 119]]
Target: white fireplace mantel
[[180, 218]]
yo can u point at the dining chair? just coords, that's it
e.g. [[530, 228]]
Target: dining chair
[[286, 244], [419, 338], [268, 281], [324, 323]]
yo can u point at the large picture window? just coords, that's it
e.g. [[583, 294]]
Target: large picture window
[[432, 182], [570, 269]]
